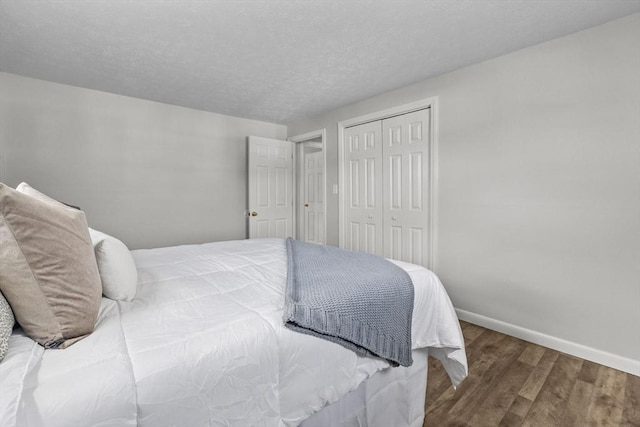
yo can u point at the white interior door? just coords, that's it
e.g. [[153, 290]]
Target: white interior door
[[313, 196], [406, 187], [363, 187], [270, 180]]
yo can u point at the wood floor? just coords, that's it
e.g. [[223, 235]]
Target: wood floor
[[515, 383]]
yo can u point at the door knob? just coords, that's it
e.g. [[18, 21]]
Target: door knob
[[306, 205], [254, 213]]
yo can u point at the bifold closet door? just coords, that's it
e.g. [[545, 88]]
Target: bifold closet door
[[363, 188], [406, 187]]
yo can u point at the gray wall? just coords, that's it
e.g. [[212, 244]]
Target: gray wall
[[539, 195], [149, 173]]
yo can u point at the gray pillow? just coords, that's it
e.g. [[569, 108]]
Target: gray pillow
[[6, 325], [49, 273]]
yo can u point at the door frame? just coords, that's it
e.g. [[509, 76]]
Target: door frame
[[432, 104], [322, 134]]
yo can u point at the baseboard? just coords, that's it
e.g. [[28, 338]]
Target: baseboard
[[588, 353]]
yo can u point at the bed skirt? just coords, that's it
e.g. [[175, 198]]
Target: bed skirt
[[392, 397]]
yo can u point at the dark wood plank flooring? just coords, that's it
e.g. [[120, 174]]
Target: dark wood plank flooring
[[515, 383]]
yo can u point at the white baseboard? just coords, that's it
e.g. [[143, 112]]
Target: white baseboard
[[588, 353]]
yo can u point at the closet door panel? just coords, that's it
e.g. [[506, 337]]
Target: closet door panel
[[363, 186], [405, 152]]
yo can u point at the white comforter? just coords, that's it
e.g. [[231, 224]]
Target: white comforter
[[203, 344]]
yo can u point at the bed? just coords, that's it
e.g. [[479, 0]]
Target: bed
[[203, 343]]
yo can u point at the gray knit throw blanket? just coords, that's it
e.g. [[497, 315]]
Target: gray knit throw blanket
[[360, 301]]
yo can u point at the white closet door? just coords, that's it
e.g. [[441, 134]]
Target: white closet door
[[406, 187], [363, 187]]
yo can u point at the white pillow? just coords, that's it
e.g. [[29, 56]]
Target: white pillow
[[116, 266]]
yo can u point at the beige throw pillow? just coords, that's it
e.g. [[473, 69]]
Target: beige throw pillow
[[49, 273], [115, 264]]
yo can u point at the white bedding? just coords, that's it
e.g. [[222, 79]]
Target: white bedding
[[203, 344]]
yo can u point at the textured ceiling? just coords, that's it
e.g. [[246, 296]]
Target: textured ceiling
[[276, 60]]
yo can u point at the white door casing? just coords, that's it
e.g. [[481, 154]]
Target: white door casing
[[363, 188], [406, 187], [313, 197], [270, 192]]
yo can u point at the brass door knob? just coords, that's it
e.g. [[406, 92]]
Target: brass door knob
[[306, 205], [254, 213]]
